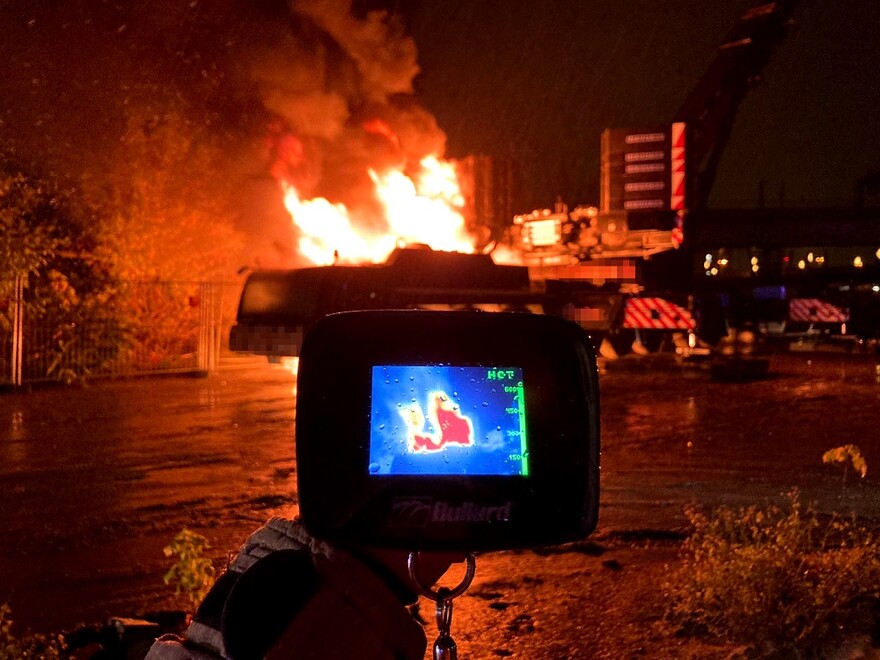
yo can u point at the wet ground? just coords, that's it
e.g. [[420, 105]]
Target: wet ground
[[95, 481]]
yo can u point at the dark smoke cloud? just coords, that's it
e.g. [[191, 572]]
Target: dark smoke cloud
[[75, 76], [331, 74], [383, 54]]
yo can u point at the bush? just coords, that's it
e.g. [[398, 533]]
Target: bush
[[29, 646], [778, 578], [192, 573]]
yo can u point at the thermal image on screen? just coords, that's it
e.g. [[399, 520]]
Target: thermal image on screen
[[448, 420]]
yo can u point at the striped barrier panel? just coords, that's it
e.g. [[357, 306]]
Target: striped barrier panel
[[656, 314], [814, 310]]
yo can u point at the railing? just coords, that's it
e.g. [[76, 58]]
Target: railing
[[154, 327]]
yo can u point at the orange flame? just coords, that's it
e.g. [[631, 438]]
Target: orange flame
[[425, 208]]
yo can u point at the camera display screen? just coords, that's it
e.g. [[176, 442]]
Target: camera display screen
[[448, 420], [409, 437]]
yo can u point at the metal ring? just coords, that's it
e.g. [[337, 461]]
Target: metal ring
[[447, 593], [443, 612]]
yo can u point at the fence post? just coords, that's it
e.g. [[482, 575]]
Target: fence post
[[203, 347], [208, 338], [17, 329]]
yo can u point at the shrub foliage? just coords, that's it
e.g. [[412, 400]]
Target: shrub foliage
[[192, 573], [777, 578], [28, 646]]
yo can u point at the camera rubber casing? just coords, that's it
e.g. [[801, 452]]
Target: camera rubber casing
[[425, 430]]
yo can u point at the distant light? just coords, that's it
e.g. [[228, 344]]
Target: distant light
[[820, 260], [810, 257], [707, 264], [714, 271], [723, 261], [876, 288], [709, 258], [692, 340], [544, 232], [877, 253], [843, 328], [802, 264], [786, 259], [708, 273], [756, 268], [857, 262], [754, 261]]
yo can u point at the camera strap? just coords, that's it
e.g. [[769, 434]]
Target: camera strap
[[444, 645]]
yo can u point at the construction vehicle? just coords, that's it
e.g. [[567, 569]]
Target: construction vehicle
[[654, 186], [591, 262], [622, 269], [277, 307]]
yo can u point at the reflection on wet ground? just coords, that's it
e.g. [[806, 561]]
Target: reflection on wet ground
[[669, 439], [96, 480]]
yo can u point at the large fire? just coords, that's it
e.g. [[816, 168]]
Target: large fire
[[424, 206]]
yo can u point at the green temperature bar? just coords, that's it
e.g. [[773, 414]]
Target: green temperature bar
[[524, 443]]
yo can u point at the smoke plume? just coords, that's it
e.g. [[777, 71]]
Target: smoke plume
[[342, 87]]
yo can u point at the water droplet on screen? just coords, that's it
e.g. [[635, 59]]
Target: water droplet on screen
[[497, 428], [485, 404], [400, 405], [455, 394], [396, 380], [412, 378], [374, 468], [381, 426]]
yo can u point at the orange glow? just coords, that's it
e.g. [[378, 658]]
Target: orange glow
[[291, 364], [328, 235], [504, 255], [424, 207], [379, 127]]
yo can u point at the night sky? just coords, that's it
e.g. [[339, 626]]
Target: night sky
[[540, 80], [535, 80]]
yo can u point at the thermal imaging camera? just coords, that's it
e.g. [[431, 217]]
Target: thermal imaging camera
[[427, 430]]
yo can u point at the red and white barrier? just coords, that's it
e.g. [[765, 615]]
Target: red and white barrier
[[656, 314], [814, 310]]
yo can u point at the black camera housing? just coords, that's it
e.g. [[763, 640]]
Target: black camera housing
[[531, 479]]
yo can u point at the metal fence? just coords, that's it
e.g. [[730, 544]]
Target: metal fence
[[148, 328]]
